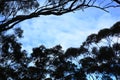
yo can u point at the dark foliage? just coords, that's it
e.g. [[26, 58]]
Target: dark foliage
[[103, 58], [55, 64], [13, 12]]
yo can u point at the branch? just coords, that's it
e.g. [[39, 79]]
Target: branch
[[56, 9]]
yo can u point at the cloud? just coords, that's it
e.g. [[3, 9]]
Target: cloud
[[69, 30]]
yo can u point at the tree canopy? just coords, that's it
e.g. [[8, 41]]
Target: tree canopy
[[98, 55], [13, 12]]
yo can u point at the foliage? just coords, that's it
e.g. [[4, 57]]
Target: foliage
[[104, 52], [91, 60], [43, 62], [98, 55], [13, 12], [11, 7]]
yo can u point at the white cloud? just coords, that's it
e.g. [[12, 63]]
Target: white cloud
[[69, 30]]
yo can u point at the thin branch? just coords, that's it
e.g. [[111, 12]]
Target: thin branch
[[72, 4], [57, 9], [108, 3], [112, 6], [101, 2]]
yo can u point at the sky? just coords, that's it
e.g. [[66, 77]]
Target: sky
[[68, 30]]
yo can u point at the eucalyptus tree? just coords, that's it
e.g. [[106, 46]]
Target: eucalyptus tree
[[104, 54], [13, 12], [91, 59]]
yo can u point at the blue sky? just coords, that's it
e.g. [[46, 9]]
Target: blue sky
[[68, 30]]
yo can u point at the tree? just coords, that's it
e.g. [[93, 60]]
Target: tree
[[16, 65], [12, 7], [12, 15], [12, 59], [103, 58], [91, 59]]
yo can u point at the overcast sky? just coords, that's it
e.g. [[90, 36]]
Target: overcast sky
[[68, 30]]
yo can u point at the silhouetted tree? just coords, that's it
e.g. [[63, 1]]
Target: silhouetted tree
[[44, 63], [13, 11], [53, 63], [103, 59]]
